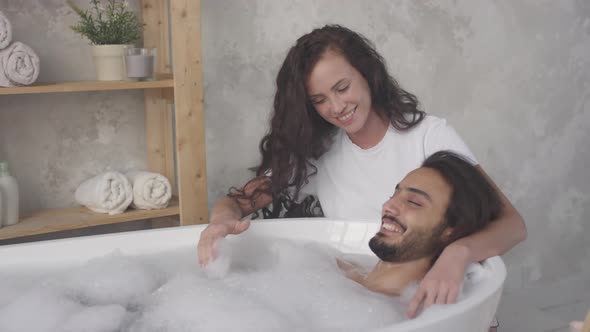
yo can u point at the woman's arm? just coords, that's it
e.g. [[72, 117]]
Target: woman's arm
[[442, 283], [236, 208], [226, 215], [499, 236]]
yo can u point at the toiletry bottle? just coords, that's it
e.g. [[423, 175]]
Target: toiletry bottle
[[9, 192]]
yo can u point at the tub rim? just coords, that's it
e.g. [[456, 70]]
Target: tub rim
[[184, 235]]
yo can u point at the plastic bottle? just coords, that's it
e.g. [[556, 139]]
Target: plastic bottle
[[9, 193]]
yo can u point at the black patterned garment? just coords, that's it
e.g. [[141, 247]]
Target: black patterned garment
[[309, 207]]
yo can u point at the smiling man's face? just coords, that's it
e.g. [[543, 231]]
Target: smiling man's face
[[413, 224]]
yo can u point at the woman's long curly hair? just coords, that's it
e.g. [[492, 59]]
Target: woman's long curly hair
[[298, 134]]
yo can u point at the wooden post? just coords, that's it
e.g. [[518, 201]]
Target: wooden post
[[158, 114], [586, 326], [189, 111]]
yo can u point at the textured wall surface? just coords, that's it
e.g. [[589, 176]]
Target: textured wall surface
[[512, 77]]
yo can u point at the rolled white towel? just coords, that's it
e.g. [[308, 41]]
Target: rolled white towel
[[5, 31], [150, 190], [109, 192], [19, 65]]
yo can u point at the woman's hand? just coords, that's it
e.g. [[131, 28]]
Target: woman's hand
[[443, 282], [214, 232], [227, 212]]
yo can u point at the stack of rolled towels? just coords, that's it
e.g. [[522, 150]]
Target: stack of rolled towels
[[113, 192], [19, 64]]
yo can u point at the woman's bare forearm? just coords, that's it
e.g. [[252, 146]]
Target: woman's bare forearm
[[500, 236], [236, 208], [224, 209]]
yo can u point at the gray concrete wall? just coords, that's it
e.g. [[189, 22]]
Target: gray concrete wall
[[511, 76]]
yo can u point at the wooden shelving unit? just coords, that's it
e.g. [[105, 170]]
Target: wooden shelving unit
[[179, 90], [81, 86], [55, 220]]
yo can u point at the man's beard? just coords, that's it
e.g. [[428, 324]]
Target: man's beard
[[417, 245]]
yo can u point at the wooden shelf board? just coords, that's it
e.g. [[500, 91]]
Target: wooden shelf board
[[55, 220], [86, 86]]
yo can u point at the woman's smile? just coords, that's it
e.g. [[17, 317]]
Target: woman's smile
[[347, 117]]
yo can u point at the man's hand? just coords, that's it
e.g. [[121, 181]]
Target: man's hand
[[442, 284], [214, 232]]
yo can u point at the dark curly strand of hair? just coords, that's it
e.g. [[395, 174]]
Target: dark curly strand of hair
[[298, 134]]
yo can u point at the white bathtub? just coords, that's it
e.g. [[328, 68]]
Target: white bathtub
[[471, 314]]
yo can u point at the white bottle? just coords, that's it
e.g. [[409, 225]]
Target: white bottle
[[9, 193]]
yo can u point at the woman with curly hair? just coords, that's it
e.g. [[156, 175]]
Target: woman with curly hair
[[344, 130]]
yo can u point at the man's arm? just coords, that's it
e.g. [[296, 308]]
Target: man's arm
[[352, 271]]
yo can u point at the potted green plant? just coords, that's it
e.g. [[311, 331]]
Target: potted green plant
[[110, 26]]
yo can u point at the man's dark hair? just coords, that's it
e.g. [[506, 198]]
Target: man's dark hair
[[474, 202]]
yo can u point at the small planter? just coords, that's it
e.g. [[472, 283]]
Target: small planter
[[108, 61]]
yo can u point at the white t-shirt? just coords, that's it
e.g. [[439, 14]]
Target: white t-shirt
[[353, 183]]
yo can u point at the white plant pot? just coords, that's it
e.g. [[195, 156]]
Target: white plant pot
[[109, 62]]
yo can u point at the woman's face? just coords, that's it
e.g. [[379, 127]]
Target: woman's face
[[339, 93]]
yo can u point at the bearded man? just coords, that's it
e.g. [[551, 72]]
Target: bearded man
[[445, 199]]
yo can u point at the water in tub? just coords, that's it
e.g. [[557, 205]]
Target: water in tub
[[257, 284]]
